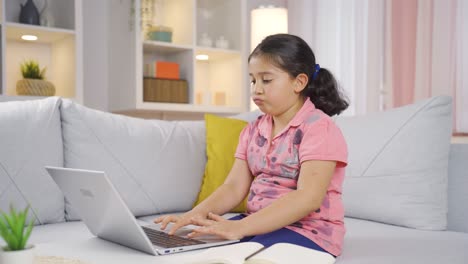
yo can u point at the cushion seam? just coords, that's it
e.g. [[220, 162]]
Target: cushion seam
[[395, 134], [118, 161]]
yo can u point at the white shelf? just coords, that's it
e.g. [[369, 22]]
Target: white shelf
[[173, 107], [219, 81], [14, 31], [164, 47], [58, 49], [216, 54]]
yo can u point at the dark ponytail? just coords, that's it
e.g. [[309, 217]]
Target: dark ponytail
[[325, 93], [294, 56]]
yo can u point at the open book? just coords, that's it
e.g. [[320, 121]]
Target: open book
[[256, 253]]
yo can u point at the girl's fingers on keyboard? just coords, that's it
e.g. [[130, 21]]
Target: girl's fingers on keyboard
[[178, 224], [168, 219]]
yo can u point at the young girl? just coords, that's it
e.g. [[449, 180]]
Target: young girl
[[290, 161]]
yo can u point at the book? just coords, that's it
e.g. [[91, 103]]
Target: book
[[256, 253], [166, 70]]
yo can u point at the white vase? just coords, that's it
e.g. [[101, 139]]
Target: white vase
[[46, 18], [25, 256]]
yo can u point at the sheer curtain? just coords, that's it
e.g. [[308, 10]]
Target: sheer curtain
[[347, 38], [429, 53], [388, 53]]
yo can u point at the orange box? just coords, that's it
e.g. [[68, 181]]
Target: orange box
[[166, 70]]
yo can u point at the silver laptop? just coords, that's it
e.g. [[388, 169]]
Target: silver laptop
[[107, 216]]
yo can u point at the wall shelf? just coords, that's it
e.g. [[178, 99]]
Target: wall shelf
[[216, 85], [14, 31], [58, 47]]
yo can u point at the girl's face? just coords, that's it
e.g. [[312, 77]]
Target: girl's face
[[273, 90]]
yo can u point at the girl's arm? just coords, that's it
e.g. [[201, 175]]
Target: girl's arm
[[231, 193], [312, 185], [226, 197]]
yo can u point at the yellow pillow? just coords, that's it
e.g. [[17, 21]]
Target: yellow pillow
[[222, 137]]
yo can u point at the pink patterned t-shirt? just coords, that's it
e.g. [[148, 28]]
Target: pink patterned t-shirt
[[275, 164]]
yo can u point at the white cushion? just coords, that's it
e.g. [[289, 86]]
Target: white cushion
[[30, 138], [369, 242], [157, 166], [398, 161]]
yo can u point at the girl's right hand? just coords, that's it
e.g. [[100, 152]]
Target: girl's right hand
[[178, 220]]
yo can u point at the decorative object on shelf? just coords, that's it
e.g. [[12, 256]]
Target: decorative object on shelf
[[29, 13], [205, 40], [165, 90], [162, 69], [15, 231], [147, 15], [131, 16], [33, 82], [220, 98], [46, 17], [222, 43], [203, 98], [160, 33], [267, 20]]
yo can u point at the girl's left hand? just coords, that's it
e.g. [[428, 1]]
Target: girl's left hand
[[217, 225]]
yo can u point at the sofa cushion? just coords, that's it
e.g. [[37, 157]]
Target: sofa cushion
[[222, 137], [31, 138], [371, 242], [457, 188], [398, 161], [60, 233], [156, 166]]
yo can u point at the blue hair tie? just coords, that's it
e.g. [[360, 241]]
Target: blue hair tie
[[317, 69]]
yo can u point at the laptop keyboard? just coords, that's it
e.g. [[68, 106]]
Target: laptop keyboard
[[165, 240]]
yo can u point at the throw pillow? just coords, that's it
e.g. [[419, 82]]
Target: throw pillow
[[398, 164], [222, 137]]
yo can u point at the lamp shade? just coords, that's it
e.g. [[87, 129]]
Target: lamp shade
[[267, 21]]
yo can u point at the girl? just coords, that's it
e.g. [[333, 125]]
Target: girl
[[290, 161]]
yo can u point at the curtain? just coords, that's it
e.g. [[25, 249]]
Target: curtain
[[347, 38], [428, 54], [389, 53]]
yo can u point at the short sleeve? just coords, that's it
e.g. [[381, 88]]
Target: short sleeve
[[241, 151], [323, 141]]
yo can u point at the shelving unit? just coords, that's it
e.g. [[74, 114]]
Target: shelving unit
[[224, 74], [58, 47]]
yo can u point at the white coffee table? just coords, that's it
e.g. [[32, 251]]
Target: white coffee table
[[98, 251]]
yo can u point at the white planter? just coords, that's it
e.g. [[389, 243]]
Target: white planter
[[25, 256]]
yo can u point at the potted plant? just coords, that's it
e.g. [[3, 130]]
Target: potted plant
[[33, 82], [15, 231]]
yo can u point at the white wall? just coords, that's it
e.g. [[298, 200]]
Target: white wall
[[95, 53]]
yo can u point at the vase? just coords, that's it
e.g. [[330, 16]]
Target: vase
[[25, 256], [46, 18], [29, 13], [35, 87]]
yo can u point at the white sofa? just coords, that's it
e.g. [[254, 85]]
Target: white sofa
[[405, 191]]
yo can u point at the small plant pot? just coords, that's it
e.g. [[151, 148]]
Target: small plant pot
[[25, 256], [35, 87]]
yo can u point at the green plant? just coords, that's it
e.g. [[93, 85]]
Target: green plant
[[31, 70], [14, 230]]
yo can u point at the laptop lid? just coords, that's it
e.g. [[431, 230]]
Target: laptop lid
[[100, 206], [107, 216]]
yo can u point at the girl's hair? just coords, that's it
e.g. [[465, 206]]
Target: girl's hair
[[292, 54]]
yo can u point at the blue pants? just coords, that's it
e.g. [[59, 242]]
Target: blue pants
[[282, 235]]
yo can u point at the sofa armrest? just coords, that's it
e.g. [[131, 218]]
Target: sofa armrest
[[458, 188]]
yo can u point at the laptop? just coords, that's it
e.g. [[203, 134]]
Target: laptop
[[106, 215]]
